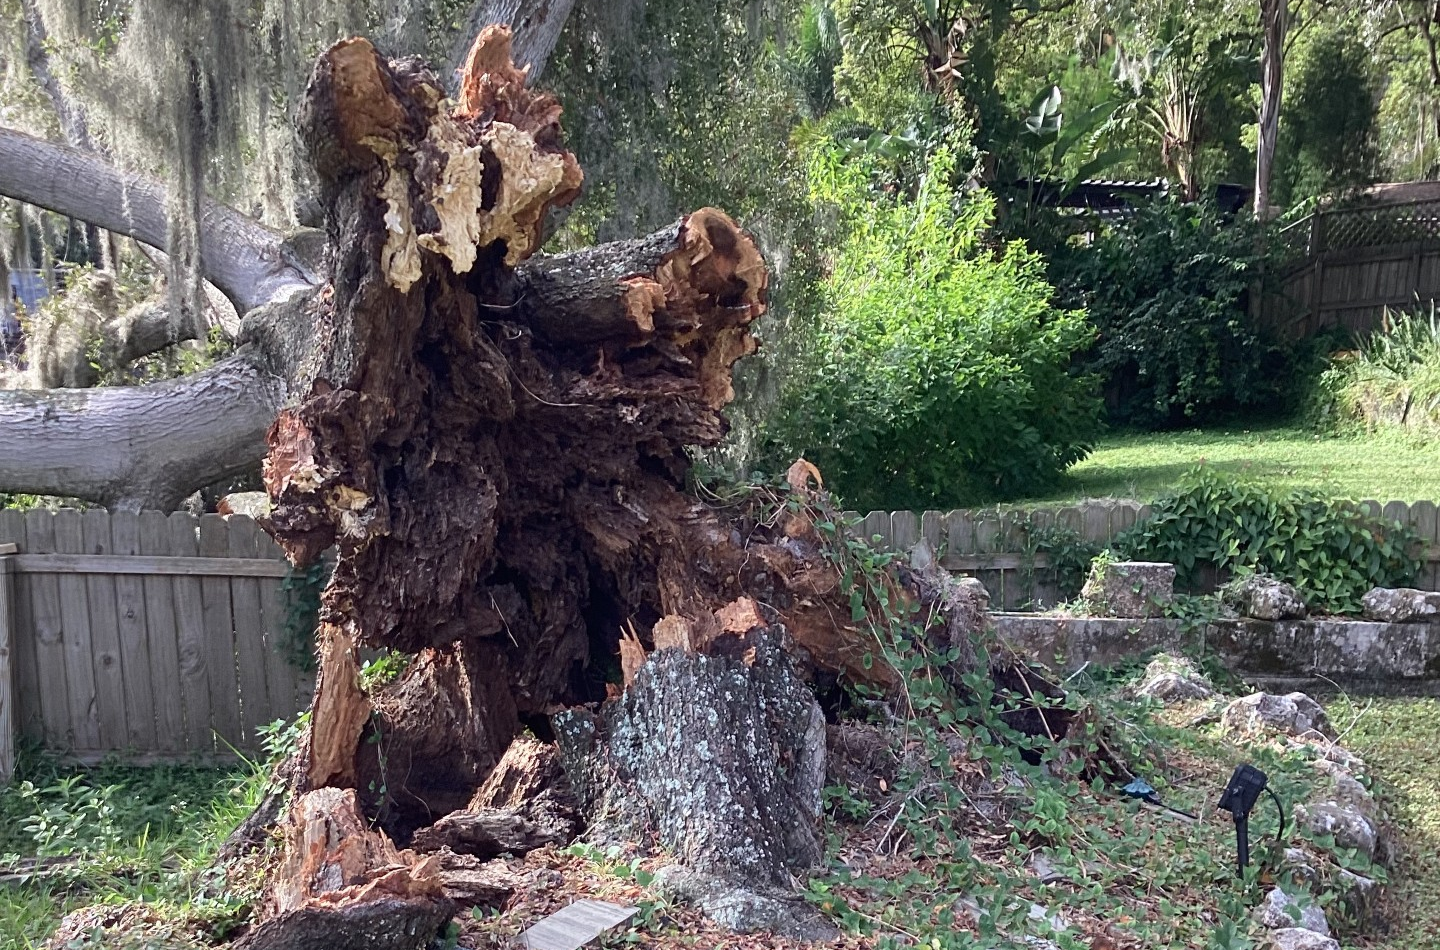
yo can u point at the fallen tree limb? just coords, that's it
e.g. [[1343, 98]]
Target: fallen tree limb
[[247, 261], [143, 446]]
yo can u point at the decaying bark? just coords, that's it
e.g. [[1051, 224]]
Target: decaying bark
[[346, 885]]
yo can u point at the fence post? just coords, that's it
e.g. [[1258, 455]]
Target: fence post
[[7, 681]]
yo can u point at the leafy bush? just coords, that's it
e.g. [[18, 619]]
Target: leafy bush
[[1168, 291], [940, 373], [1392, 379], [1334, 551]]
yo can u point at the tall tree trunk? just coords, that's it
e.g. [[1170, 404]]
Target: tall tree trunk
[[1274, 15]]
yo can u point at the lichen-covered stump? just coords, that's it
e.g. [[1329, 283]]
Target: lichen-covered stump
[[721, 759]]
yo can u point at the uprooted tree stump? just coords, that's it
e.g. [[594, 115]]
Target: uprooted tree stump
[[495, 445]]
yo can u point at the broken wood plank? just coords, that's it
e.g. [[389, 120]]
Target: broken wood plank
[[572, 927]]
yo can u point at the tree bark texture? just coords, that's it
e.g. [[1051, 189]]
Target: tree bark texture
[[144, 446], [720, 759], [1273, 20]]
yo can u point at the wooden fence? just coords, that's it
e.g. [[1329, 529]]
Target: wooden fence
[[150, 635], [1001, 546], [1348, 265]]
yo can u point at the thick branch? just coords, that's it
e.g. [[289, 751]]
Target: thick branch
[[247, 261], [142, 446], [146, 329]]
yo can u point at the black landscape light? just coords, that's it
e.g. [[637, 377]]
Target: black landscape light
[[1239, 797]]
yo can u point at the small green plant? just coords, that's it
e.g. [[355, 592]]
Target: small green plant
[[1335, 550], [1069, 553], [383, 669], [281, 739]]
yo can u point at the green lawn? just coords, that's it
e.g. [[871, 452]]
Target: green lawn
[[1400, 741], [72, 837], [1384, 467]]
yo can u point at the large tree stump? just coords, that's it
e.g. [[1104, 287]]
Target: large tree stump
[[720, 759]]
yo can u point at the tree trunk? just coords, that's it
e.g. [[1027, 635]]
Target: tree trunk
[[497, 451], [142, 447], [1273, 17], [495, 446]]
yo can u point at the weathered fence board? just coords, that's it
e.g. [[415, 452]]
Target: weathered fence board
[[75, 632], [40, 614], [161, 630], [134, 637], [1003, 550], [220, 637], [151, 636], [7, 678]]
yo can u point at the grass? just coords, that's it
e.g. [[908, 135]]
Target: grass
[[1118, 875], [1387, 467], [1400, 741], [71, 838]]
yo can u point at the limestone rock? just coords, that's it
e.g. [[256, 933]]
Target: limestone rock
[[1358, 894], [1293, 714], [1299, 867], [1401, 605], [1298, 938], [1263, 597], [1346, 823], [1173, 679], [1281, 911], [1129, 588]]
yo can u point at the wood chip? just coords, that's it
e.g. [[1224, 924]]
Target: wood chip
[[632, 654], [740, 616], [673, 630]]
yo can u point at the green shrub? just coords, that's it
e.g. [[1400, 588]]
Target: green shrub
[[1334, 551], [1168, 291], [940, 371], [1328, 136], [1392, 379]]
